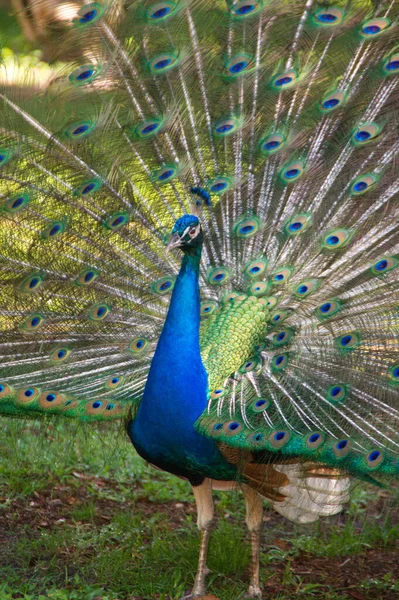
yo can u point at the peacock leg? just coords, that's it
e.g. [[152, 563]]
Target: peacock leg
[[204, 502], [253, 519]]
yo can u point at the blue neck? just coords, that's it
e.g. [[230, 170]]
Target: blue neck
[[175, 394], [177, 368], [181, 330], [176, 390]]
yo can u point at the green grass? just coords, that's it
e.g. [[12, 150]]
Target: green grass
[[83, 517]]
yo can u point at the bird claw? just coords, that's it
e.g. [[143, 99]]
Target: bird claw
[[196, 593], [254, 591]]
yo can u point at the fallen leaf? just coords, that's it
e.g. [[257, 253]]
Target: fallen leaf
[[282, 544], [356, 595]]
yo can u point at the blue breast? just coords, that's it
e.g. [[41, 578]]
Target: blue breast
[[176, 392]]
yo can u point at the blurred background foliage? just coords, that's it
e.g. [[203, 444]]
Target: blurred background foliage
[[29, 40]]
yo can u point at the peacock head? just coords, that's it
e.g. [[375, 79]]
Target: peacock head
[[186, 234]]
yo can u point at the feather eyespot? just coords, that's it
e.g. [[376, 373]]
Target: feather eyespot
[[285, 80], [139, 346], [27, 395], [271, 302], [337, 393], [328, 17], [256, 439], [33, 322], [53, 231], [384, 265], [278, 439], [60, 354], [149, 128], [246, 227], [259, 288], [220, 185], [4, 389], [259, 405], [292, 171], [363, 184], [88, 187], [116, 221], [164, 285], [32, 283], [17, 202], [279, 362], [348, 341], [278, 317], [342, 448], [374, 27], [161, 11], [232, 428], [86, 277], [88, 14], [315, 440], [5, 156], [114, 381], [69, 404], [332, 101], [96, 407], [218, 393], [98, 312], [51, 400], [282, 275], [251, 365], [239, 64], [306, 288], [208, 308], [218, 276], [256, 268], [244, 8], [214, 428], [391, 64], [272, 143], [394, 373], [164, 62], [230, 297], [79, 129], [85, 74], [166, 174], [226, 126], [328, 309], [365, 133], [374, 459], [297, 224], [282, 338], [336, 238]]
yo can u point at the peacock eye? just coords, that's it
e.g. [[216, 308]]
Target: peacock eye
[[192, 231]]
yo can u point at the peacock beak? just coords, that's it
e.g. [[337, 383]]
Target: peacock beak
[[174, 242]]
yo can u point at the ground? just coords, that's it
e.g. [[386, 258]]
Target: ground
[[83, 517]]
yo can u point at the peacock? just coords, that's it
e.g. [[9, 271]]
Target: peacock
[[199, 228]]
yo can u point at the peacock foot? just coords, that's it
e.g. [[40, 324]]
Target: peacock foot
[[198, 592], [254, 591]]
